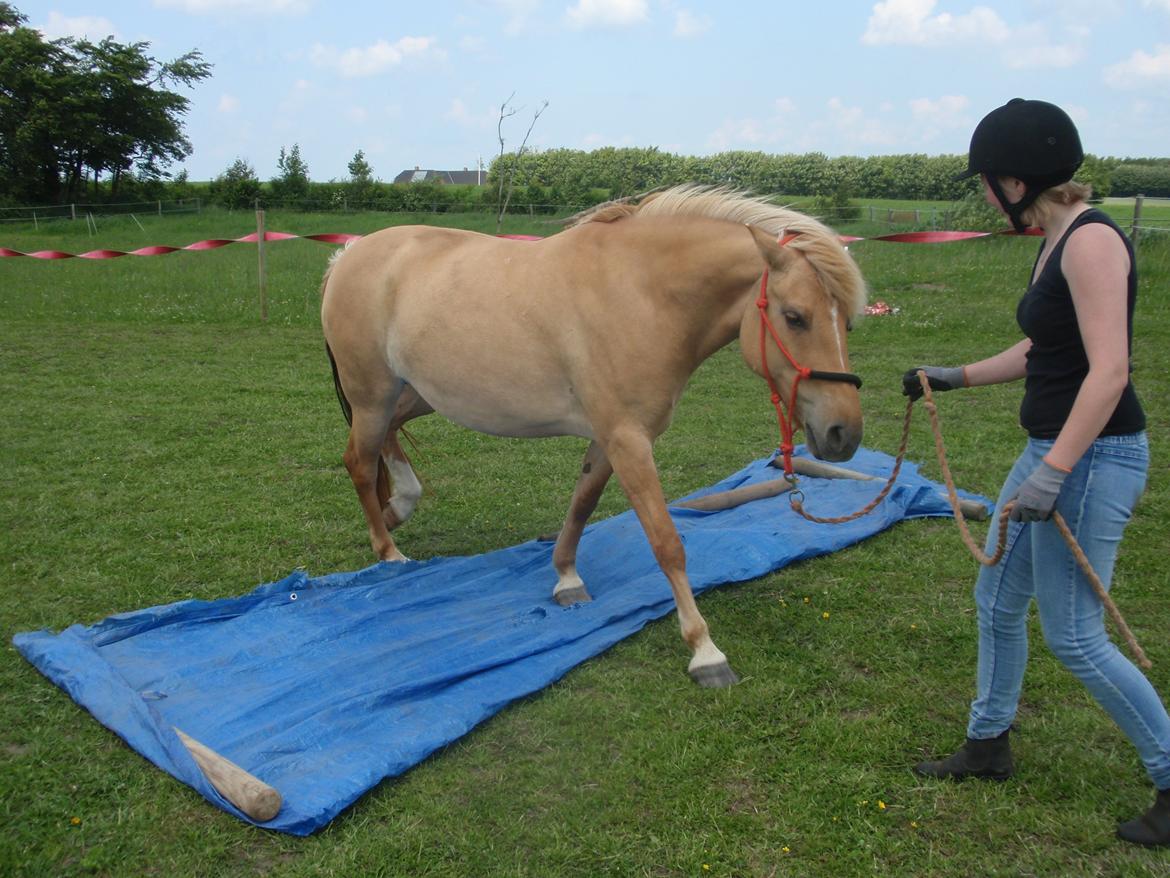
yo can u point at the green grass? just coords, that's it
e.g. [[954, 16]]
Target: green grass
[[159, 443]]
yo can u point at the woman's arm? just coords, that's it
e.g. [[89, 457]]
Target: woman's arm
[[1096, 266], [1005, 366]]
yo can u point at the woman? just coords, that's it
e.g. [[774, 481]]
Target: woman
[[1086, 455]]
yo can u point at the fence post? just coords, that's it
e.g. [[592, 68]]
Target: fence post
[[160, 207], [263, 266], [73, 211], [1137, 218]]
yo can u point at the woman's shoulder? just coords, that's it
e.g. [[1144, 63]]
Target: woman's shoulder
[[1094, 242]]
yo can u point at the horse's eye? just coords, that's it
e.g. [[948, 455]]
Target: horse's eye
[[794, 320]]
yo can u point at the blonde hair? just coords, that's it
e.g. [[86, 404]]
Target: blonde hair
[[1063, 194]]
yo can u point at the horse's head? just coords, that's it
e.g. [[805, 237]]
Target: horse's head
[[812, 291]]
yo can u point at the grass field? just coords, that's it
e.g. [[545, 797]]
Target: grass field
[[160, 443]]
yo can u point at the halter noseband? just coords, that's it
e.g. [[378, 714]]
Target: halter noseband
[[802, 372]]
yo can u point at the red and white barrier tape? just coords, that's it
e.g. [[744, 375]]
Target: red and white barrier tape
[[160, 250], [343, 238]]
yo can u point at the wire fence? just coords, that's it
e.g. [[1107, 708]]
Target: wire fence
[[35, 215], [932, 218]]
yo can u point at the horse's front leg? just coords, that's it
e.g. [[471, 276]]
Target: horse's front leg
[[631, 455], [595, 473]]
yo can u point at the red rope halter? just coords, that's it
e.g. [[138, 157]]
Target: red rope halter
[[787, 419]]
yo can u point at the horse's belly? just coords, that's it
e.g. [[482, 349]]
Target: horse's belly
[[524, 412]]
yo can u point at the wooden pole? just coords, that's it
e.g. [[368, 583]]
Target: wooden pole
[[263, 268], [250, 794], [737, 496], [1137, 218], [972, 509]]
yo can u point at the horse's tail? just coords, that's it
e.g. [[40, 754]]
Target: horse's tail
[[346, 408]]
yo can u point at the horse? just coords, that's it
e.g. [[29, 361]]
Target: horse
[[591, 332]]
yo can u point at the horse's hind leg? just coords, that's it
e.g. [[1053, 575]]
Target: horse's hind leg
[[398, 504], [595, 472], [367, 435]]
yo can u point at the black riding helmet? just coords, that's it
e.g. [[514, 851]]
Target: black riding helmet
[[1034, 141]]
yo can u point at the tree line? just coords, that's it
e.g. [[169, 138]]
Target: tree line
[[558, 178]]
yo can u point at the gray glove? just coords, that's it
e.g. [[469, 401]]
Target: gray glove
[[1037, 495], [939, 378]]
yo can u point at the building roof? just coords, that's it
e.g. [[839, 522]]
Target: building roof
[[421, 175]]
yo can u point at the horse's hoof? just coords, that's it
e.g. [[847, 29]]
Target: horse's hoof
[[566, 597], [718, 676]]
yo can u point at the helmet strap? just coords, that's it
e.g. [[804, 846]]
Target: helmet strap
[[1031, 193]]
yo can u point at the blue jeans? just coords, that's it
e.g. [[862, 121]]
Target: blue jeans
[[1096, 500]]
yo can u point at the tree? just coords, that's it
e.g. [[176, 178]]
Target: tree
[[291, 182], [72, 108], [508, 176], [237, 187], [361, 179], [33, 79]]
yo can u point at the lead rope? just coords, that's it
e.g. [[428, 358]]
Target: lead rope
[[1078, 553]]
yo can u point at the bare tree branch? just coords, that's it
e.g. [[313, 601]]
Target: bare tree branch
[[509, 177]]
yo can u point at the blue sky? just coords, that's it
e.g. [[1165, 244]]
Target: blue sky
[[421, 84]]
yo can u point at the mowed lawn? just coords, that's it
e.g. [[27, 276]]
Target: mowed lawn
[[159, 443]]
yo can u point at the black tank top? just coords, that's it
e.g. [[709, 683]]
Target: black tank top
[[1057, 363]]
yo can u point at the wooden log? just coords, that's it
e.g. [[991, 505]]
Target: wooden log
[[737, 496], [972, 509], [250, 794]]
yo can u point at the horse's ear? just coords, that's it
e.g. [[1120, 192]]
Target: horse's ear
[[777, 256]]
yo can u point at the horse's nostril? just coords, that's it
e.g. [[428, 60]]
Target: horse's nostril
[[835, 437]]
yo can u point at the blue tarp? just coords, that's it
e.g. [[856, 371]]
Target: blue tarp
[[324, 686]]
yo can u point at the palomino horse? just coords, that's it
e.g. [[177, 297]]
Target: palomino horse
[[592, 332]]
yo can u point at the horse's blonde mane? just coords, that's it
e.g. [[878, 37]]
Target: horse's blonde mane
[[816, 241]]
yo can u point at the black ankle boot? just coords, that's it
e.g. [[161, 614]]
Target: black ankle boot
[[1152, 829], [990, 759]]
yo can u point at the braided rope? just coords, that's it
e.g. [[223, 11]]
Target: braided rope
[[1004, 516]]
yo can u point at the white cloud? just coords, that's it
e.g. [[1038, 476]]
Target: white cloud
[[1140, 69], [518, 13], [853, 126], [911, 22], [607, 13], [949, 111], [252, 7], [1027, 46], [687, 24], [457, 112], [1164, 5], [1037, 51], [738, 133], [228, 104], [83, 27], [377, 58], [934, 117], [1046, 58]]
